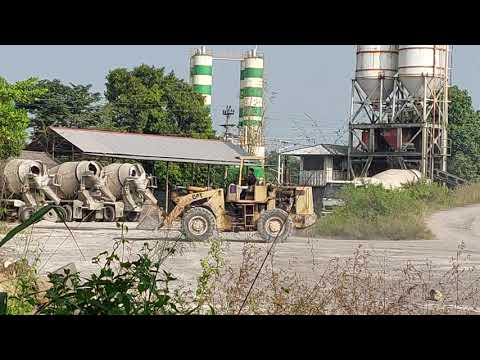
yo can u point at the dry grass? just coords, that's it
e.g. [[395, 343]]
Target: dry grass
[[362, 284], [3, 227], [466, 195]]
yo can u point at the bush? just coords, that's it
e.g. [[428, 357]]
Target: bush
[[373, 212], [138, 287]]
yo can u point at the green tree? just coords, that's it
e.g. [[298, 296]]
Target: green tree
[[464, 133], [146, 100], [13, 120], [65, 106]]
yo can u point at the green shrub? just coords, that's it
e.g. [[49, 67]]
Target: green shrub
[[21, 294], [373, 212], [138, 287]]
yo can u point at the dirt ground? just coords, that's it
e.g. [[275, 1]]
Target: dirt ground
[[56, 247]]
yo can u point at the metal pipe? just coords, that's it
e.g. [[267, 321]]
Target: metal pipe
[[424, 129], [350, 130], [381, 100], [279, 166], [227, 59], [394, 102], [445, 114]]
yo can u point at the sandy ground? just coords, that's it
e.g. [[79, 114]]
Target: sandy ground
[[56, 247]]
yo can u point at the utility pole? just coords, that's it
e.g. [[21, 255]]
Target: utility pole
[[228, 112]]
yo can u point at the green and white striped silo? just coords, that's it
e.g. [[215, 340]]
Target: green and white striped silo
[[251, 104], [201, 65]]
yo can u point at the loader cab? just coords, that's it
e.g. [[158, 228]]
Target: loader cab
[[240, 191]]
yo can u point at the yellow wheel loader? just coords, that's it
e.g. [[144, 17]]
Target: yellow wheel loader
[[272, 211]]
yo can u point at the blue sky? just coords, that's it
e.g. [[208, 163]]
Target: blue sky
[[310, 84]]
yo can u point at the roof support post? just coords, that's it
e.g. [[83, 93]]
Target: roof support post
[[166, 188], [208, 175]]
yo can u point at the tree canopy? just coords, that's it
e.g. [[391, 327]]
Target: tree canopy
[[14, 121], [147, 100], [63, 105], [464, 133]]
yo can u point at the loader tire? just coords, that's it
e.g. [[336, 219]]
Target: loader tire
[[274, 224], [109, 214], [198, 224], [25, 214], [132, 216], [68, 212]]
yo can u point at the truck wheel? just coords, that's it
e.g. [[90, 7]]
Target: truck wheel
[[25, 214], [198, 224], [68, 213], [132, 216], [274, 224], [51, 216], [109, 214]]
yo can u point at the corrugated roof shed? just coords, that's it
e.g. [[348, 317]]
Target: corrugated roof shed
[[151, 147], [320, 149], [40, 156]]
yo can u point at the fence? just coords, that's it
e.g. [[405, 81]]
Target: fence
[[319, 177]]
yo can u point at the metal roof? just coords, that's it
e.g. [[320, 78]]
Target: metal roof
[[151, 147], [320, 149], [38, 155]]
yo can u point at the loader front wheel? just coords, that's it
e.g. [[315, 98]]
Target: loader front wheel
[[274, 224], [25, 214], [198, 224]]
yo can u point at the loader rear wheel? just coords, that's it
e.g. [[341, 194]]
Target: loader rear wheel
[[198, 224], [274, 224], [109, 214]]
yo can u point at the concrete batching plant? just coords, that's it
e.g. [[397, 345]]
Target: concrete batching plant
[[399, 109], [201, 66], [251, 112], [251, 104]]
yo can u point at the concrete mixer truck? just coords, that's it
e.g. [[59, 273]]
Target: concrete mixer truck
[[129, 183], [81, 187], [24, 187]]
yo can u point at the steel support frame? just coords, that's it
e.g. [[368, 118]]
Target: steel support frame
[[433, 131], [434, 134]]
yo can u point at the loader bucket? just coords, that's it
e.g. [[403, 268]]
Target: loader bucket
[[151, 218]]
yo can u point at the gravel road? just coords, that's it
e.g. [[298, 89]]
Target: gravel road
[[300, 254]]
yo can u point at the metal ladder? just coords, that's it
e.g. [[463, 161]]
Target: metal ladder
[[248, 216]]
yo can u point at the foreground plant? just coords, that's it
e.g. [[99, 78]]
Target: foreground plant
[[131, 287]]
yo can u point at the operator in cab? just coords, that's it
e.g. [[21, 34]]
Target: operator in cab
[[251, 181]]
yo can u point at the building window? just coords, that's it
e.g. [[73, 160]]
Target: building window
[[339, 163], [312, 163]]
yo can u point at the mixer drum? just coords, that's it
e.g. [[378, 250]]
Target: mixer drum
[[14, 174], [68, 175]]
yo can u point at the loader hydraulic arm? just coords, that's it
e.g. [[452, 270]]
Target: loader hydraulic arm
[[185, 201]]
